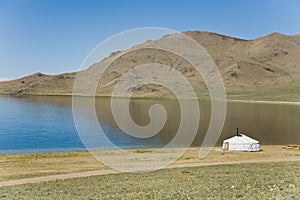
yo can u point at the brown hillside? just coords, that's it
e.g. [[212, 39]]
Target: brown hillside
[[267, 68]]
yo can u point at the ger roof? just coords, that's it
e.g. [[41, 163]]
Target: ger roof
[[241, 139]]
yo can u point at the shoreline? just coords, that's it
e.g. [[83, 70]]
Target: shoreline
[[157, 98], [79, 150]]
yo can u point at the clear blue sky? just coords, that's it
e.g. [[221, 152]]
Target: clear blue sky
[[54, 36]]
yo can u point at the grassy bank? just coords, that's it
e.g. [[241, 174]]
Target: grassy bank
[[36, 165], [242, 181]]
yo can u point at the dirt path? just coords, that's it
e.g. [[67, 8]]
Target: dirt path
[[111, 171]]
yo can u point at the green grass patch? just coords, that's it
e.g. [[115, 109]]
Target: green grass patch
[[243, 181]]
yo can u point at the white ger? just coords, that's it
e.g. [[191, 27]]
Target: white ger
[[240, 142]]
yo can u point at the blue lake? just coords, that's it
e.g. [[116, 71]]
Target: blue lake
[[35, 124]]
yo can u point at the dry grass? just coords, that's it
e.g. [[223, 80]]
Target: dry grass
[[36, 165], [33, 165]]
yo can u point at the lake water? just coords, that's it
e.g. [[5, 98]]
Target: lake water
[[45, 124]]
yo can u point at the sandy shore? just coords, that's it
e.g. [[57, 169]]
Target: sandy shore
[[266, 102]]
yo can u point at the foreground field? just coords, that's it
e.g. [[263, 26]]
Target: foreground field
[[240, 181], [16, 167], [269, 174]]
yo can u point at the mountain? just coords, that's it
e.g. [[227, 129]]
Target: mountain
[[267, 68]]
